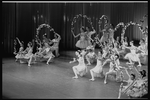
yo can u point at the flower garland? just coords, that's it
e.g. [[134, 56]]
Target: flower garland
[[40, 27], [76, 17], [105, 21]]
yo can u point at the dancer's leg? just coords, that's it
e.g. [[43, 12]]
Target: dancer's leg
[[74, 70], [30, 59], [48, 60], [92, 75], [120, 90], [88, 59]]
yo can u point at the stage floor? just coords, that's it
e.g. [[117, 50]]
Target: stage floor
[[41, 81]]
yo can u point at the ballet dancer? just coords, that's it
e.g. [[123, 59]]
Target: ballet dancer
[[132, 56], [21, 49], [130, 82], [113, 68], [83, 42], [89, 34], [27, 54], [81, 68], [97, 71], [55, 46], [90, 56]]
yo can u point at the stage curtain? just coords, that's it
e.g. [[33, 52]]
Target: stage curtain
[[22, 19]]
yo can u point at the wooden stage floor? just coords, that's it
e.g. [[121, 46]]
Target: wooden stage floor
[[54, 81]]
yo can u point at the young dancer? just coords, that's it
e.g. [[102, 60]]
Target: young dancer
[[113, 67], [130, 82], [27, 54], [97, 71], [20, 52], [55, 45], [83, 42], [81, 68], [90, 55], [132, 56]]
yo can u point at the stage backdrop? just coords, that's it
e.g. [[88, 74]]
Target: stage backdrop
[[21, 20]]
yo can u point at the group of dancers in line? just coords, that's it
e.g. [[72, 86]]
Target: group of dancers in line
[[37, 50], [110, 52]]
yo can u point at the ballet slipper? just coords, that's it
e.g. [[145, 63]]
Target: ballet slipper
[[91, 79], [89, 64], [75, 77], [105, 82]]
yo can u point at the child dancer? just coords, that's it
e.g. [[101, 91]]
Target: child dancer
[[56, 42], [98, 69], [132, 57], [20, 53], [27, 54], [130, 83], [113, 67], [81, 68], [90, 55]]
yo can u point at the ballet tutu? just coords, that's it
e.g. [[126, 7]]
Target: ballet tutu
[[82, 44], [104, 38], [98, 72], [81, 69], [133, 57]]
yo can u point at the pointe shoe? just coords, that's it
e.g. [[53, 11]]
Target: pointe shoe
[[88, 64], [91, 79], [105, 82], [75, 77]]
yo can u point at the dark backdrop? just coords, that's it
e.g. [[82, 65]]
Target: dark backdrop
[[21, 20]]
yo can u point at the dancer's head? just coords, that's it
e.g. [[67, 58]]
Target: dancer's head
[[82, 29], [133, 76], [125, 39], [87, 29], [117, 38], [29, 44], [131, 43], [142, 41]]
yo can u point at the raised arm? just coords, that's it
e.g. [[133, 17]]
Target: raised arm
[[59, 37], [18, 41], [75, 36], [92, 32]]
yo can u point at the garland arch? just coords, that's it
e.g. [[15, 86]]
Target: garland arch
[[41, 26], [75, 19]]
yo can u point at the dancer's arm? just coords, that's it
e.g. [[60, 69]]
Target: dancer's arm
[[74, 60], [92, 32], [18, 41], [75, 36], [59, 37]]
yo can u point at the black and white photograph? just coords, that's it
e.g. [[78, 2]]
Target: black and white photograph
[[74, 49]]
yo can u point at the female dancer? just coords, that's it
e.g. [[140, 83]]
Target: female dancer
[[142, 48], [114, 67], [89, 34], [124, 43], [130, 83], [20, 53], [98, 69], [27, 54], [56, 42], [132, 57], [111, 35], [47, 53], [81, 68], [90, 55], [105, 36], [83, 42]]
